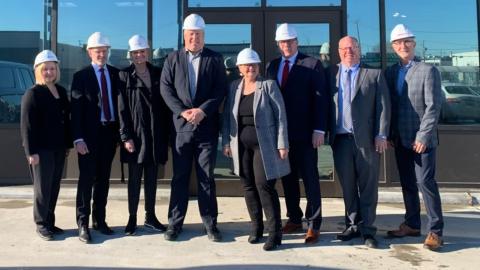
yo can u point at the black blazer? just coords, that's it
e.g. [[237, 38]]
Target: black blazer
[[144, 117], [211, 90], [45, 121], [305, 96], [86, 104]]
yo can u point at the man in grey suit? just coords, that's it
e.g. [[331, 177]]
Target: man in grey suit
[[417, 99], [358, 133], [193, 84]]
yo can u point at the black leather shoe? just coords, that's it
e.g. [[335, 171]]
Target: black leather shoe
[[255, 236], [370, 241], [45, 233], [84, 234], [171, 234], [152, 223], [348, 235], [103, 228], [273, 241], [56, 230], [214, 234], [131, 226]]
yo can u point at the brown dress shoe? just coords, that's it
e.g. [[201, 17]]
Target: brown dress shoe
[[404, 230], [312, 236], [291, 227], [433, 241]]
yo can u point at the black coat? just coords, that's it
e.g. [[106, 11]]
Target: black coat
[[305, 96], [210, 92], [86, 104], [144, 117], [45, 121]]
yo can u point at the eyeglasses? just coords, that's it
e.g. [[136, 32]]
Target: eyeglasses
[[406, 42], [349, 48]]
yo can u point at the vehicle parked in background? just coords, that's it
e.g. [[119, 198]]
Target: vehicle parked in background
[[462, 104], [15, 78]]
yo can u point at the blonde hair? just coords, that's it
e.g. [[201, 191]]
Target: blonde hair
[[38, 73]]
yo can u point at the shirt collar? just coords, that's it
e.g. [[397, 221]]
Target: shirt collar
[[291, 59], [408, 65], [97, 67], [353, 68], [193, 54]]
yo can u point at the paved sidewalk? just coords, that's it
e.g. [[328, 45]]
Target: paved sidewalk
[[21, 247]]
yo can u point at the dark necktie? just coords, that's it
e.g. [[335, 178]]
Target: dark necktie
[[285, 74], [105, 103]]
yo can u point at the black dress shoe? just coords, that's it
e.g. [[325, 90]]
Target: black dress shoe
[[131, 225], [273, 241], [370, 241], [348, 235], [255, 237], [152, 223], [103, 228], [84, 234], [214, 234], [56, 230], [45, 233], [171, 234]]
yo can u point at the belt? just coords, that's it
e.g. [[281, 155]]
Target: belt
[[345, 135]]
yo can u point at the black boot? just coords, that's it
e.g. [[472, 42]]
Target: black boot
[[255, 234], [131, 225], [273, 241]]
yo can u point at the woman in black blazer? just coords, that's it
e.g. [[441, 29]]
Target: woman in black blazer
[[144, 128], [45, 128]]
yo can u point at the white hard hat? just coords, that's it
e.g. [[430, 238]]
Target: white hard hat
[[325, 49], [45, 56], [400, 31], [248, 56], [285, 32], [137, 42], [97, 39], [193, 22]]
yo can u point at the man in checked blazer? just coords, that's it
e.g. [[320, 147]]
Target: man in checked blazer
[[359, 126], [417, 99], [95, 133]]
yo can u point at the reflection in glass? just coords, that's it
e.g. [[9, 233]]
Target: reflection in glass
[[451, 44], [167, 33], [74, 30], [224, 3], [229, 40], [364, 24], [286, 3]]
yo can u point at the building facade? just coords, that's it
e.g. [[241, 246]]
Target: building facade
[[446, 32]]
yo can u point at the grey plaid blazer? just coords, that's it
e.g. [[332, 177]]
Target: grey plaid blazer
[[416, 111]]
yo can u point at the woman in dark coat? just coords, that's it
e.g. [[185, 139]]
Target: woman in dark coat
[[144, 127], [45, 129]]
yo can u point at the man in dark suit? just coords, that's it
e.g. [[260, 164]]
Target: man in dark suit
[[302, 81], [417, 99], [193, 84], [359, 126], [95, 133]]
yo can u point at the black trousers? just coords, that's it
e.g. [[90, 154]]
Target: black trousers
[[189, 147], [259, 191], [303, 163], [417, 173], [95, 170], [135, 172], [46, 176]]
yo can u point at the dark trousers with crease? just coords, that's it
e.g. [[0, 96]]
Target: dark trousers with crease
[[95, 170], [188, 147], [417, 173], [303, 163], [260, 192], [135, 171], [46, 176]]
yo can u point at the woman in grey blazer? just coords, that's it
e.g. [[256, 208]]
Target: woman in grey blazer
[[255, 136]]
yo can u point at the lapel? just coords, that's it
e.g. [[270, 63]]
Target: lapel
[[361, 74], [94, 88], [257, 96], [236, 100], [273, 70]]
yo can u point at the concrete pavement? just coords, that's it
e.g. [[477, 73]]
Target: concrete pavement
[[20, 247]]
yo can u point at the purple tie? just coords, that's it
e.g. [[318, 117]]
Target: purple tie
[[105, 103]]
